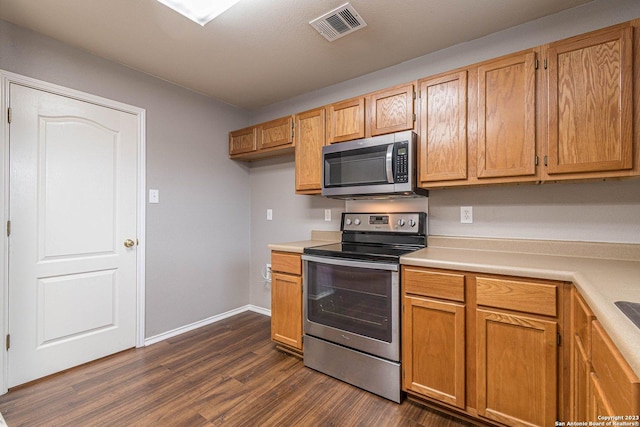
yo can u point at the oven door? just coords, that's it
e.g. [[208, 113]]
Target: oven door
[[353, 303]]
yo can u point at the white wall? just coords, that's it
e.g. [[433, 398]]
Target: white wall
[[194, 269], [294, 216], [596, 211]]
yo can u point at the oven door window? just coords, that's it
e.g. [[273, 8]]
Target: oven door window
[[352, 299]]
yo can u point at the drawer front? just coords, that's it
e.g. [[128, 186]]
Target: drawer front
[[619, 385], [528, 297], [286, 262], [434, 284]]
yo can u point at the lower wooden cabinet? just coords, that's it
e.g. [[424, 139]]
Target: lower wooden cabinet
[[602, 383], [286, 300], [484, 346], [517, 368], [433, 349]]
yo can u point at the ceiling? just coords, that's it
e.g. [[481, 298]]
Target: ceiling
[[264, 51]]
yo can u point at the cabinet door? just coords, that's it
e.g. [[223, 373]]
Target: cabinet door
[[345, 120], [443, 128], [391, 110], [276, 133], [590, 103], [581, 318], [433, 349], [516, 368], [598, 404], [286, 309], [310, 138], [617, 383], [242, 141], [507, 117]]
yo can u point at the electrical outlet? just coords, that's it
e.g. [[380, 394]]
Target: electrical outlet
[[466, 215], [327, 214], [269, 214]]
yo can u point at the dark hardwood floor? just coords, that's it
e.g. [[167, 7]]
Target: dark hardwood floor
[[228, 373]]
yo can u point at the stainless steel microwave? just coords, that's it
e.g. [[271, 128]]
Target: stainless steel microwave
[[379, 167]]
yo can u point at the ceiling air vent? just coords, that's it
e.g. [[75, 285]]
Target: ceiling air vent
[[339, 22]]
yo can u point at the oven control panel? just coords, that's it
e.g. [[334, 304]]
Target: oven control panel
[[397, 222]]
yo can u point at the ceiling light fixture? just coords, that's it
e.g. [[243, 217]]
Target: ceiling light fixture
[[199, 11]]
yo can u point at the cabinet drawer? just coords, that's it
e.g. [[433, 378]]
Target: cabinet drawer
[[529, 297], [433, 284], [286, 262], [619, 385]]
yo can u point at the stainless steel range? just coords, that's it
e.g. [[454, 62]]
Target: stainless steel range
[[352, 300]]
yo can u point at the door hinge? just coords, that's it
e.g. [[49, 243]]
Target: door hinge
[[8, 342], [293, 125], [414, 117], [545, 161], [545, 63], [536, 161], [8, 228], [9, 115], [558, 339], [536, 66], [414, 95]]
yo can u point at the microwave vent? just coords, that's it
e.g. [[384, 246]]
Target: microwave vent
[[339, 22]]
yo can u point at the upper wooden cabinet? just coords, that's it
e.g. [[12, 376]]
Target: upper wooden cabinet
[[276, 133], [272, 138], [590, 95], [378, 113], [310, 138], [242, 141], [345, 120], [506, 117], [443, 128], [391, 110]]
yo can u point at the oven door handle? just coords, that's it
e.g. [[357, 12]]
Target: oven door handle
[[351, 263]]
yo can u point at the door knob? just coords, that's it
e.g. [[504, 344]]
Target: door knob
[[129, 243]]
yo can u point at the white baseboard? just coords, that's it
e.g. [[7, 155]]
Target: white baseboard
[[213, 319]]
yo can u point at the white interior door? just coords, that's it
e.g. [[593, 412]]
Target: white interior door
[[72, 206]]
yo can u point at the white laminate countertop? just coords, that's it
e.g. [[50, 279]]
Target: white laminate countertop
[[318, 238], [601, 281]]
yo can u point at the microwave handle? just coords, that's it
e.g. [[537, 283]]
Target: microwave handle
[[389, 163]]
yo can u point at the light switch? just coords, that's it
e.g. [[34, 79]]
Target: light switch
[[269, 214], [154, 196]]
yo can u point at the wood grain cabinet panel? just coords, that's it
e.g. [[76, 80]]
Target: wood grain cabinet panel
[[418, 281], [530, 297], [310, 138], [443, 128], [242, 141], [391, 110], [581, 318], [617, 386], [346, 120], [506, 123], [516, 368], [590, 97], [276, 133], [433, 345], [286, 300]]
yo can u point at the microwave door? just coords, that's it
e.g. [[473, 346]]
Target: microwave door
[[389, 164]]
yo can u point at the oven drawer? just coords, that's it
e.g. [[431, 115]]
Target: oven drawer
[[518, 295], [433, 284], [286, 262]]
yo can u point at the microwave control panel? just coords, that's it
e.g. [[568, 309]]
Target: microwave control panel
[[402, 162]]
